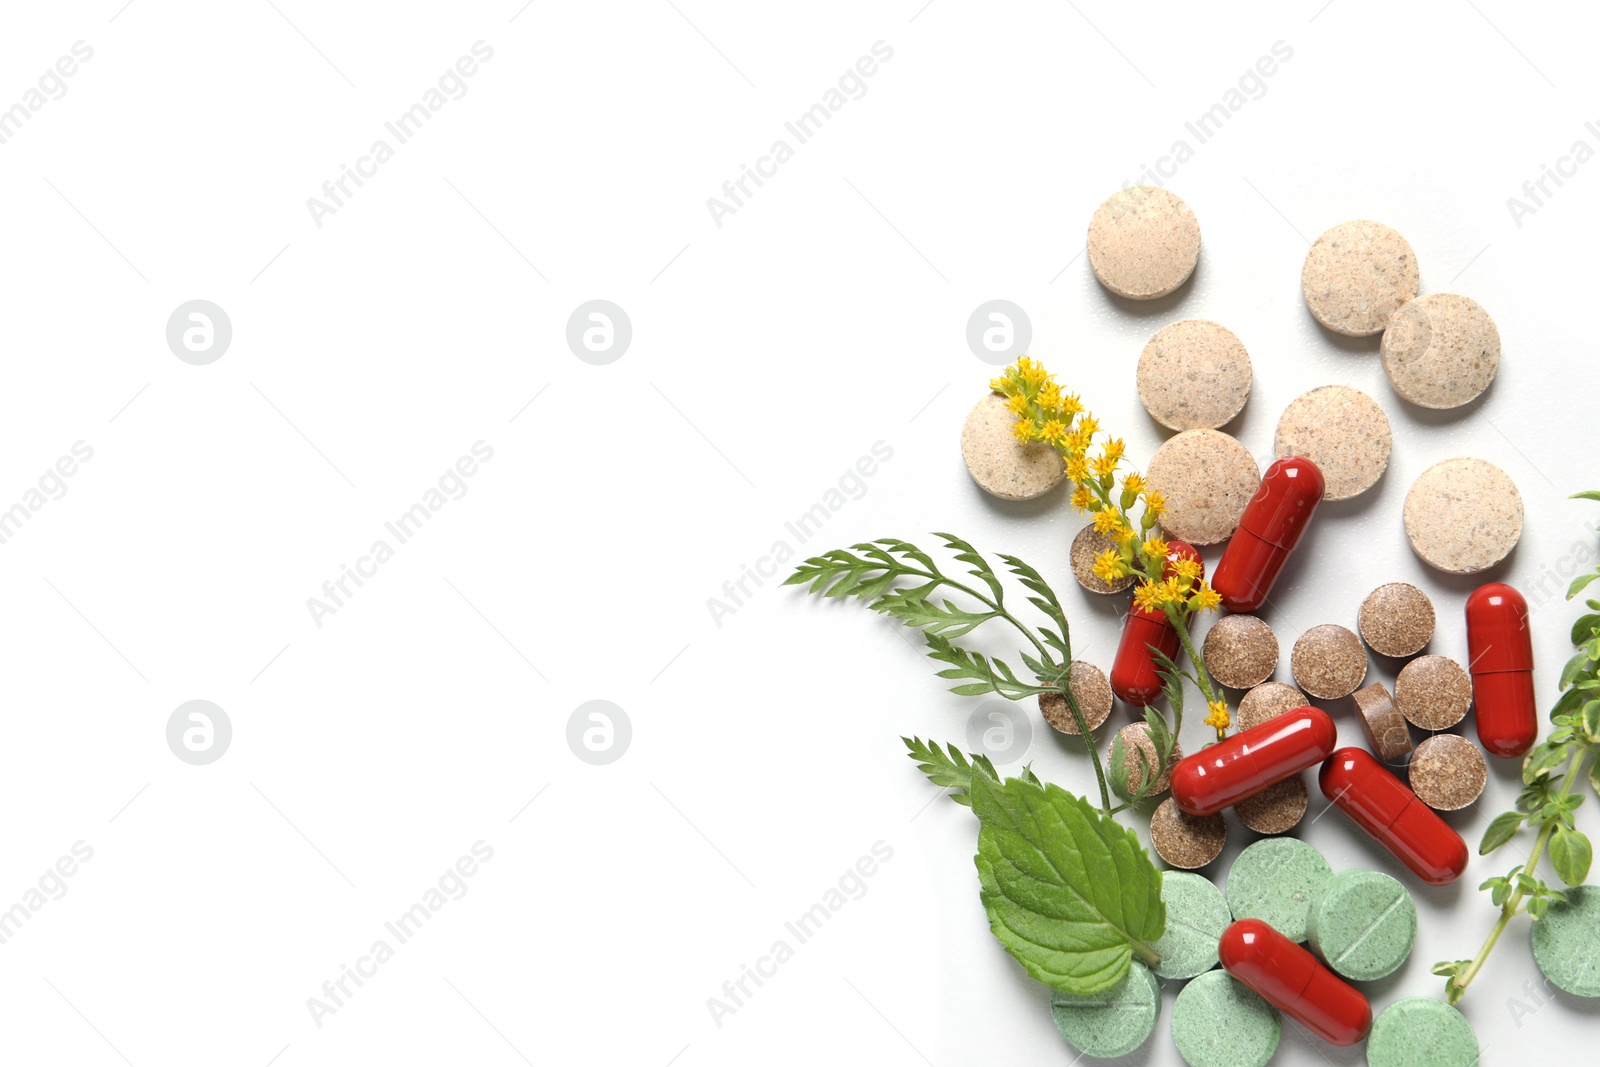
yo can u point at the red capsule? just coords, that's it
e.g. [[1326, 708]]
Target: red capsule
[[1291, 980], [1384, 807], [1248, 762], [1500, 656], [1272, 524], [1134, 676]]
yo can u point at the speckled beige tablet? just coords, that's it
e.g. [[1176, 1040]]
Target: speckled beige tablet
[[1000, 464], [1463, 515], [1448, 772], [1267, 701], [1085, 547], [1088, 684], [1433, 692], [1186, 841], [1240, 651], [1194, 375], [1207, 479], [1135, 736], [1357, 275], [1328, 662], [1143, 242], [1441, 350], [1387, 734], [1276, 809], [1343, 431], [1396, 619]]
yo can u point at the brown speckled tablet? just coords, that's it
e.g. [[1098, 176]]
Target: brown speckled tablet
[[1085, 547], [1194, 375], [1433, 692], [1143, 242], [1135, 735], [1240, 651], [1088, 684], [1387, 734], [1186, 841], [1448, 772], [1276, 809], [1207, 479], [1343, 431], [1328, 662], [1000, 464], [1441, 350], [1396, 619], [1463, 515], [1267, 701], [1357, 275]]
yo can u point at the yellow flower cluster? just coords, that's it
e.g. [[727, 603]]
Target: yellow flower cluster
[[1219, 719]]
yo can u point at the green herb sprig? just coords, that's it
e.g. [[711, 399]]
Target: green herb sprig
[[1551, 772]]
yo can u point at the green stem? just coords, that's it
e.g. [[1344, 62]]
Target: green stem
[[1088, 740], [1181, 624], [1458, 984]]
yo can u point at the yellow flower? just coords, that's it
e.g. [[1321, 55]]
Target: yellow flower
[[1104, 466], [1077, 467], [1172, 592], [1205, 598], [1050, 395], [1114, 449], [1219, 719], [1023, 430], [1089, 425], [1147, 597], [1033, 375], [1189, 568], [1017, 404], [1078, 439], [1126, 536], [1155, 549], [1083, 499], [1108, 565], [1054, 431], [1154, 502], [1003, 384], [1070, 404], [1133, 482], [1108, 522]]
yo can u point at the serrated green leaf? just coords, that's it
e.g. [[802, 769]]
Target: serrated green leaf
[[980, 567], [1069, 893], [1570, 855], [1117, 767], [1502, 829], [922, 614]]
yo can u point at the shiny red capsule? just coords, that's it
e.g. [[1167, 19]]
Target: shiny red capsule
[[1134, 676], [1272, 524], [1500, 657], [1291, 980], [1251, 760], [1384, 807]]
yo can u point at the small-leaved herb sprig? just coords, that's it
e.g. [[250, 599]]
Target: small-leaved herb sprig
[[1550, 773]]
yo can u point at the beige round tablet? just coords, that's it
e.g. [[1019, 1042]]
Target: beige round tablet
[[1357, 275], [1343, 431], [1136, 739], [1194, 375], [1143, 242], [1000, 464], [1328, 662], [1441, 350], [1463, 515], [1433, 692], [1207, 479], [1186, 841], [1448, 772], [1386, 730], [1240, 651], [1267, 701], [1396, 619], [1276, 809], [1085, 548], [1091, 690]]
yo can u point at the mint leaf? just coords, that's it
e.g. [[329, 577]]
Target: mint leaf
[[1069, 893]]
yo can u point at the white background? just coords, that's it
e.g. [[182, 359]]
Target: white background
[[769, 354]]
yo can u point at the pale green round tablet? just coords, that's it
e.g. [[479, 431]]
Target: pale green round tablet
[[1113, 1023], [1273, 880], [1421, 1032], [1566, 942], [1220, 1022], [1196, 917], [1362, 923]]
